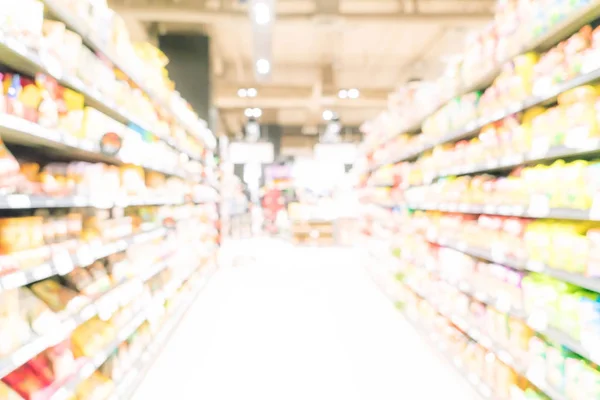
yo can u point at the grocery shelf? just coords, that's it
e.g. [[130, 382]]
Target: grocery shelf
[[102, 305], [127, 386], [84, 30], [589, 147], [156, 151], [535, 206], [481, 390], [498, 350], [21, 131], [25, 201], [62, 262], [141, 315], [91, 365], [384, 185], [18, 57], [541, 384], [553, 334], [475, 126], [559, 31], [510, 211], [499, 257], [385, 205]]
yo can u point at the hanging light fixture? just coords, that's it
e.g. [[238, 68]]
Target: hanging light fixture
[[262, 16], [261, 12], [333, 128]]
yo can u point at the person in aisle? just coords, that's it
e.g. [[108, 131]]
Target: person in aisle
[[272, 204]]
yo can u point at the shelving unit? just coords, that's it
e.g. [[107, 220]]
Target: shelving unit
[[452, 224], [557, 32], [197, 128], [126, 385], [103, 251]]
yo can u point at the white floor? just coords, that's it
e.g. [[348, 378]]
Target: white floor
[[297, 323]]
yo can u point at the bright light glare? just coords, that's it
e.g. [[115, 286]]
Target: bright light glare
[[262, 13], [251, 92], [353, 93], [327, 115], [343, 94], [263, 66], [242, 93], [253, 112]]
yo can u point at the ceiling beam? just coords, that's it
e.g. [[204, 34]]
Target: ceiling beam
[[226, 102], [193, 15], [227, 88]]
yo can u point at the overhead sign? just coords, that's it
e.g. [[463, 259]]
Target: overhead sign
[[344, 153], [245, 153]]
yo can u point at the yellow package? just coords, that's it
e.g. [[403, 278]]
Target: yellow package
[[73, 100], [91, 337], [151, 54], [581, 123], [524, 71], [97, 386], [56, 296], [535, 179], [133, 179], [71, 123], [572, 193], [6, 393], [537, 240], [522, 141], [569, 246], [581, 94]]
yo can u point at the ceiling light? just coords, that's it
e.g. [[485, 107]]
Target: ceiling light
[[256, 112], [343, 94], [353, 93], [248, 112], [251, 92], [263, 66], [262, 13], [242, 93], [327, 115]]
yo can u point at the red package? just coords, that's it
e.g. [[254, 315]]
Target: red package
[[25, 382], [42, 368], [61, 360]]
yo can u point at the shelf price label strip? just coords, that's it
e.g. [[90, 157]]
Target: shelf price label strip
[[534, 210], [63, 262], [23, 201], [20, 130], [499, 257]]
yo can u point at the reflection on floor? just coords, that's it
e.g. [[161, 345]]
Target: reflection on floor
[[279, 322]]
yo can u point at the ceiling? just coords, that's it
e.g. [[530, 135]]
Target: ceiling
[[318, 48]]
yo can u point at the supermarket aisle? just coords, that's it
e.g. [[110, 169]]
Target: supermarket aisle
[[287, 323]]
